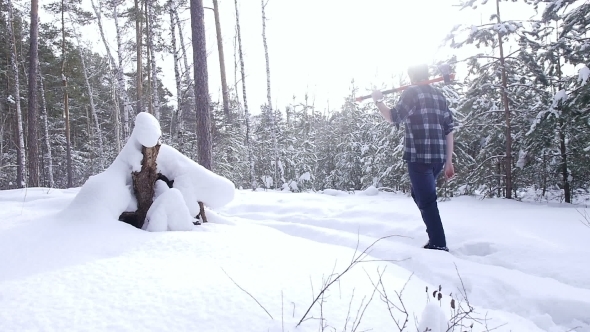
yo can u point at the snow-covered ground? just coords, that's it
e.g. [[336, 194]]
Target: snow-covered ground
[[280, 261], [262, 258]]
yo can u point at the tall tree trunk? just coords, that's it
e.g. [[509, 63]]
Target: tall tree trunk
[[127, 109], [154, 97], [246, 113], [236, 80], [117, 116], [148, 57], [562, 130], [499, 193], [93, 113], [190, 102], [273, 129], [114, 76], [138, 38], [201, 83], [544, 174], [90, 139], [224, 90], [183, 48], [64, 81], [268, 96], [21, 160], [155, 85], [2, 122], [508, 159], [179, 122], [33, 113], [47, 157], [563, 152]]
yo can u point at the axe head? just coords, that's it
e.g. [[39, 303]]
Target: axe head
[[445, 71]]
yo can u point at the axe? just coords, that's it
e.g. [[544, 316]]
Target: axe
[[446, 77]]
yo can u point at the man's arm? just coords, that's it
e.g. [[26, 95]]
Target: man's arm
[[384, 110], [400, 111], [449, 137], [448, 127], [449, 152]]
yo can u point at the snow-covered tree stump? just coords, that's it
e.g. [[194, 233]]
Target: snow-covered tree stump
[[151, 185], [145, 180], [144, 183], [143, 186]]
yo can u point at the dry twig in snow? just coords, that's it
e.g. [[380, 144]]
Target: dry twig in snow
[[245, 291], [356, 258]]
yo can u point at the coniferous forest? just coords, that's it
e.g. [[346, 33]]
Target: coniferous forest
[[521, 106]]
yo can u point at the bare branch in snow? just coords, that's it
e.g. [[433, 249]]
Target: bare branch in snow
[[356, 258], [245, 291]]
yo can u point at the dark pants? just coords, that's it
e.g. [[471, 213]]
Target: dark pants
[[423, 178]]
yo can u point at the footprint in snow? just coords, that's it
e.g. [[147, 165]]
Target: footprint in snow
[[477, 249]]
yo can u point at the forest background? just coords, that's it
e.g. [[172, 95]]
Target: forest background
[[282, 94]]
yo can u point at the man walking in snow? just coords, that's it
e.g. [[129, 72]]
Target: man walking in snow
[[428, 145]]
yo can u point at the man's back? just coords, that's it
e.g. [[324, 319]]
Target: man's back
[[427, 119]]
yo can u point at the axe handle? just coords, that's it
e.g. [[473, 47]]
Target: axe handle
[[401, 88]]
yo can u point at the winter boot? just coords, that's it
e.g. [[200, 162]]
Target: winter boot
[[431, 246]]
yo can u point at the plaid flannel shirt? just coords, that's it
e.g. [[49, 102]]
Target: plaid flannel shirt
[[428, 121]]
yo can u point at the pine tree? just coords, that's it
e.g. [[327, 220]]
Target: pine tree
[[224, 89], [554, 44], [246, 112], [489, 96], [33, 110], [201, 84], [21, 178]]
